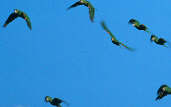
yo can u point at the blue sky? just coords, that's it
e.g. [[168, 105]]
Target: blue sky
[[67, 56]]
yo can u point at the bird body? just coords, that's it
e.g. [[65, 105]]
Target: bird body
[[164, 90], [159, 41], [87, 4], [139, 26], [114, 40], [17, 13], [54, 101]]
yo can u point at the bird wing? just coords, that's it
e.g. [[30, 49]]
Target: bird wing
[[75, 5], [108, 31], [161, 95], [26, 18], [10, 19], [160, 92], [131, 49], [28, 22], [91, 11]]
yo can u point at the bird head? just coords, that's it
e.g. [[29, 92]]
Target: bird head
[[48, 98], [132, 21], [16, 10], [153, 37]]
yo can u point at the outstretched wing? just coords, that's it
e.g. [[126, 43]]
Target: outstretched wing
[[75, 5], [10, 19], [26, 18], [107, 30], [91, 11], [161, 94], [28, 22], [130, 49]]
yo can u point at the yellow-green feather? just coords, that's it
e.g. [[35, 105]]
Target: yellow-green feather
[[91, 11], [108, 31]]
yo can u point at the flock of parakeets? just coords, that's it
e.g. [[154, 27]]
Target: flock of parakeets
[[162, 91]]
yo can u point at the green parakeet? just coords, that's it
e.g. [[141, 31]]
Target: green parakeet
[[55, 101], [87, 4], [139, 26], [17, 13], [114, 40], [159, 41]]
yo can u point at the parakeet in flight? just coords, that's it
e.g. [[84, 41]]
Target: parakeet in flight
[[114, 40], [139, 26], [164, 90], [159, 41], [17, 13], [87, 4], [55, 101]]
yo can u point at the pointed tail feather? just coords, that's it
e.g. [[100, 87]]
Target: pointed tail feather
[[4, 25], [130, 49], [157, 98], [168, 44], [148, 32], [66, 103]]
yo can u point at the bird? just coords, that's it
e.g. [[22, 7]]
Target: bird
[[164, 90], [87, 4], [114, 40], [55, 101], [17, 13], [159, 41], [139, 26]]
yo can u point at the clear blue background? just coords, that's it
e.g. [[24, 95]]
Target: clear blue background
[[67, 56]]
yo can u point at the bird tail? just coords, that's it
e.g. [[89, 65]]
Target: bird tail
[[66, 103], [130, 49], [4, 25], [148, 32], [157, 98]]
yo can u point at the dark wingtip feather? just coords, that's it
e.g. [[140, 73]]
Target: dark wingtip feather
[[30, 28], [4, 25], [68, 8], [157, 98], [92, 20]]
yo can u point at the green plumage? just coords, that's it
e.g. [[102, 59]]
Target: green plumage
[[164, 90], [87, 4], [114, 40], [17, 13], [91, 11], [139, 26], [55, 101]]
